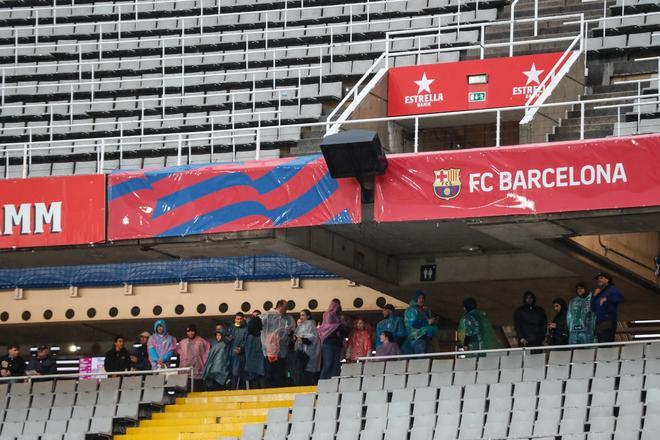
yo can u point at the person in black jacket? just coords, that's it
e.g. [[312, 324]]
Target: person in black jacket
[[118, 358], [530, 322], [557, 329], [43, 363], [140, 355], [12, 364]]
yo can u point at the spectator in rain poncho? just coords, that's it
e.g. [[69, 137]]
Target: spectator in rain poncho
[[216, 370], [254, 355], [237, 337], [160, 345], [580, 320], [193, 351], [359, 341], [307, 349], [332, 333], [475, 331], [277, 330], [393, 324], [557, 329], [419, 325]]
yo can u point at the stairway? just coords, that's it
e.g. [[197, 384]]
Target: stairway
[[598, 123], [210, 415]]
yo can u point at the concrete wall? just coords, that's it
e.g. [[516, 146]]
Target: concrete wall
[[635, 252], [569, 89], [168, 297]]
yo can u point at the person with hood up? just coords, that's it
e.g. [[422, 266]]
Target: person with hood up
[[605, 303], [161, 345], [393, 324], [359, 340], [420, 325], [216, 369], [579, 317], [557, 329], [475, 330], [254, 357], [193, 351], [332, 332], [277, 330], [237, 336], [530, 322], [307, 348]]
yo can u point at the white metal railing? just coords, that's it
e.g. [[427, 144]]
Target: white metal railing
[[506, 351], [177, 80], [433, 37], [180, 142], [141, 104], [259, 16], [331, 30], [79, 376]]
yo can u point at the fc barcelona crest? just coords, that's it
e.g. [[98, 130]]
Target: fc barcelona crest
[[447, 184]]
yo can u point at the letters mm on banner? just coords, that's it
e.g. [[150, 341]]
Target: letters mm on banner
[[52, 211], [573, 176]]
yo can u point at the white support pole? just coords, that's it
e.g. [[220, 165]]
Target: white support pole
[[416, 138], [498, 128], [25, 149], [582, 120], [178, 151]]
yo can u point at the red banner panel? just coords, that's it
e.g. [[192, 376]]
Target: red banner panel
[[534, 179], [467, 85], [180, 201], [52, 211]]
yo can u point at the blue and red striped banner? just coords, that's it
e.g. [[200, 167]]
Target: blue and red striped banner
[[181, 201]]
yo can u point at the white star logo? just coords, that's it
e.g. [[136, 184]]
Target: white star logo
[[533, 75], [424, 84]]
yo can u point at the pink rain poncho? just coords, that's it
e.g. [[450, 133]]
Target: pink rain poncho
[[194, 353], [160, 347]]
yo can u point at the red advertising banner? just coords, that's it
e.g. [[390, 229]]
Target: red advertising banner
[[181, 201], [548, 178], [52, 211], [467, 85]]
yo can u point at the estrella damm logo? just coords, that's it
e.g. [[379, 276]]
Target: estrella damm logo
[[447, 184]]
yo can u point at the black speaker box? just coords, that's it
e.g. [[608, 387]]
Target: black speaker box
[[354, 153]]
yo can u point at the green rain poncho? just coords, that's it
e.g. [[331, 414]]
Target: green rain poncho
[[475, 330], [216, 370], [580, 320], [416, 320]]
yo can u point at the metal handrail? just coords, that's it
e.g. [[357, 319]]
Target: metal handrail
[[39, 377], [243, 33], [523, 350], [26, 149], [367, 120], [284, 11]]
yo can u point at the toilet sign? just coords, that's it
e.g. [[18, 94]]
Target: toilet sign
[[427, 272]]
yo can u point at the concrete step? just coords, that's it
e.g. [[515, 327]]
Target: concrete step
[[588, 121], [598, 112], [573, 136], [614, 88], [602, 126]]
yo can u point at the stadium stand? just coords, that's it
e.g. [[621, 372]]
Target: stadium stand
[[71, 409], [607, 392], [108, 85]]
